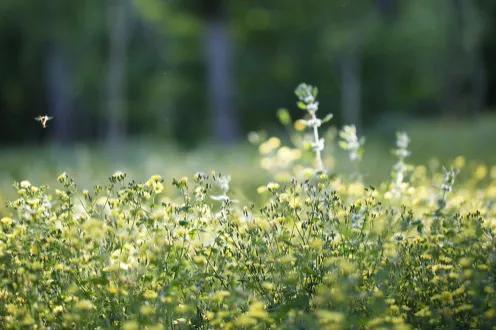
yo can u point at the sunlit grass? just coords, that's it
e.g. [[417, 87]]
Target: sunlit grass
[[440, 140]]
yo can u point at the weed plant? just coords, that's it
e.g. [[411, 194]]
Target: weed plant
[[321, 251]]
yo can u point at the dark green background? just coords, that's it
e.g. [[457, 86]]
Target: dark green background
[[414, 58]]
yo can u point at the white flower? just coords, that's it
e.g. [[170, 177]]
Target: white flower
[[312, 107], [25, 184], [314, 122]]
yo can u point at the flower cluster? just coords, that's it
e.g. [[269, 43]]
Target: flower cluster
[[304, 158], [307, 96], [351, 143], [316, 254], [400, 169]]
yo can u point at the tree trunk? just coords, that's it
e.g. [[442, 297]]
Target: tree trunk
[[472, 54], [219, 82], [466, 83], [388, 9], [115, 99], [60, 98], [351, 89]]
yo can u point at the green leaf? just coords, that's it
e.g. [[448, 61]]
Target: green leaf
[[327, 118], [284, 116], [315, 92]]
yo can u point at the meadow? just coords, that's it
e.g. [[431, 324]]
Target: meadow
[[436, 142], [325, 230]]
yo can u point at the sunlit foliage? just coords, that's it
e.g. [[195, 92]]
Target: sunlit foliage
[[320, 251]]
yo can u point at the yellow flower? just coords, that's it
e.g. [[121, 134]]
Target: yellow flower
[[356, 189], [493, 172], [95, 229], [268, 286], [261, 189], [147, 310], [272, 186], [257, 311], [200, 260], [424, 312], [155, 184], [446, 297], [28, 320], [465, 262], [300, 125], [130, 325], [308, 173], [459, 162], [33, 249], [6, 221], [490, 313], [480, 172], [295, 203], [316, 244], [150, 294], [58, 309], [268, 146], [155, 327], [112, 288], [62, 177], [11, 309], [84, 305], [464, 308], [182, 308]]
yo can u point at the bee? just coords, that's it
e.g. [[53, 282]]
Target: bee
[[43, 120]]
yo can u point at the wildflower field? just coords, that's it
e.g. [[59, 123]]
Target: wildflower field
[[316, 243]]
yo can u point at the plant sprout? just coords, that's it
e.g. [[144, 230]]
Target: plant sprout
[[307, 96], [351, 143], [400, 168]]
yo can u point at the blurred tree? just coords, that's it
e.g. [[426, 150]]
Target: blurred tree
[[58, 71], [388, 8], [487, 9], [217, 54], [160, 75], [348, 29], [217, 59], [118, 21], [19, 72], [47, 62], [174, 85], [219, 72], [465, 79], [60, 92]]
